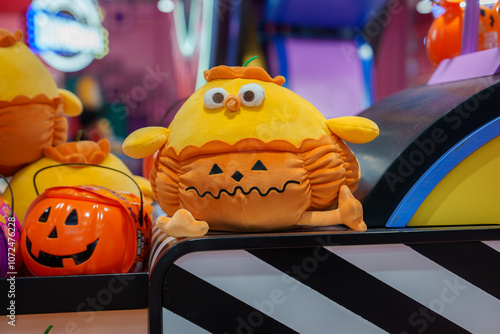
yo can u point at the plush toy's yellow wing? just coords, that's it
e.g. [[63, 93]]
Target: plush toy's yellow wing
[[72, 106], [354, 129], [144, 142]]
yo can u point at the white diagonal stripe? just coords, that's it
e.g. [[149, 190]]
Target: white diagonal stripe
[[274, 293], [428, 283], [154, 256], [174, 324], [493, 244]]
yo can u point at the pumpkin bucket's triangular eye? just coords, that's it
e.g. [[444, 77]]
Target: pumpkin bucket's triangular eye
[[45, 215], [72, 218], [215, 170], [259, 166]]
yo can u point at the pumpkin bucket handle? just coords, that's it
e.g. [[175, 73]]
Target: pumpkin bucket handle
[[141, 210]]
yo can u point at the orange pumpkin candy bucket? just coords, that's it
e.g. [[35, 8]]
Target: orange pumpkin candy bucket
[[85, 230]]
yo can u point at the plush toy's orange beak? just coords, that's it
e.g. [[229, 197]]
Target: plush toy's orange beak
[[232, 103]]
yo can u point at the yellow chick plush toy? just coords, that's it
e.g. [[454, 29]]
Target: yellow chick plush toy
[[246, 154], [56, 169], [32, 108]]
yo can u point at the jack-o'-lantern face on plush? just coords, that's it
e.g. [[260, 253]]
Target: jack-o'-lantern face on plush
[[248, 181], [70, 231]]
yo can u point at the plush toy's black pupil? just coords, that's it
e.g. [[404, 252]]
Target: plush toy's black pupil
[[248, 96], [218, 98]]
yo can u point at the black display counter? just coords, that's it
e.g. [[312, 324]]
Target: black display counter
[[190, 287], [227, 283]]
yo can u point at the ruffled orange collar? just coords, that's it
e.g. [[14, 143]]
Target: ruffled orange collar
[[41, 99], [245, 145]]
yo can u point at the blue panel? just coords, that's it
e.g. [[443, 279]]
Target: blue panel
[[323, 13], [234, 42], [430, 179], [279, 42]]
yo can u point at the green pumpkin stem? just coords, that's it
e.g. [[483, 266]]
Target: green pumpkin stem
[[249, 60], [79, 135]]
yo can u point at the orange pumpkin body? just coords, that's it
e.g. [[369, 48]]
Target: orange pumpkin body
[[23, 141], [252, 185], [444, 39], [84, 230]]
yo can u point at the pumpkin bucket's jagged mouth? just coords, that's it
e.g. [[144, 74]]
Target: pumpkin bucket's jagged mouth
[[243, 191], [56, 261]]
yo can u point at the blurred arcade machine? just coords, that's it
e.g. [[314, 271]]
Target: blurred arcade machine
[[400, 277], [321, 47], [429, 259], [322, 50]]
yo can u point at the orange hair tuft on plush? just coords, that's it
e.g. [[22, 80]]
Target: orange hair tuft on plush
[[250, 72], [9, 39]]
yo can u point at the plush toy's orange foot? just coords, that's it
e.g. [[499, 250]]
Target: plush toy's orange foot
[[83, 152], [350, 210], [182, 224], [349, 213]]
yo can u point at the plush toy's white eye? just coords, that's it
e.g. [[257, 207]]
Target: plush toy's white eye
[[251, 95], [214, 98]]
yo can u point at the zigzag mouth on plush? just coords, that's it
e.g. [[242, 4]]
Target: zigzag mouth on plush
[[243, 191], [56, 261]]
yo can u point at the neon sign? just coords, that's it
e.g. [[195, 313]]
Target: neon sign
[[187, 38], [67, 34]]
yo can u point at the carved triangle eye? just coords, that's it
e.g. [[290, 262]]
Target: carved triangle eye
[[72, 218], [259, 166], [215, 170], [45, 215]]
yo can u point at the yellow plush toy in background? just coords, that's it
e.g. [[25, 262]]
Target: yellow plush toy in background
[[32, 108], [64, 174], [245, 154]]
